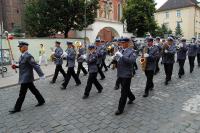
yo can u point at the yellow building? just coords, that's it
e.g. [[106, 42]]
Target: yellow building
[[184, 12]]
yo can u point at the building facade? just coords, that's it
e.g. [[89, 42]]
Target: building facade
[[183, 12]]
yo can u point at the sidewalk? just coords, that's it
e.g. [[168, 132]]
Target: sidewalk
[[11, 78]]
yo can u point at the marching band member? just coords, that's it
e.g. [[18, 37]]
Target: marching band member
[[181, 56], [124, 73], [198, 52], [80, 60], [169, 50], [58, 61], [192, 52], [159, 46], [70, 55], [99, 51], [151, 54], [26, 77], [93, 70]]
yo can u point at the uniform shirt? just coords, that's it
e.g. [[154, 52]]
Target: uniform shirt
[[81, 51], [192, 50], [125, 64], [170, 55], [198, 49], [26, 66], [58, 54], [182, 52], [151, 60], [100, 52], [71, 57], [92, 63], [159, 46]]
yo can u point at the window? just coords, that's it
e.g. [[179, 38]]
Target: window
[[178, 13], [167, 14]]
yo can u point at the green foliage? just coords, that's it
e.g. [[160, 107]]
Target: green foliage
[[47, 17], [162, 31], [139, 16], [178, 31], [17, 31]]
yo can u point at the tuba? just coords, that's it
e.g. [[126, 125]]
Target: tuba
[[143, 60]]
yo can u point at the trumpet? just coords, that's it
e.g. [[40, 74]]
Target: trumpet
[[143, 60]]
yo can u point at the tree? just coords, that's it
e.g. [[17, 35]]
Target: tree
[[139, 16], [47, 17], [178, 30], [162, 31]]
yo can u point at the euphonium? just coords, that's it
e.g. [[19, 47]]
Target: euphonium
[[143, 60]]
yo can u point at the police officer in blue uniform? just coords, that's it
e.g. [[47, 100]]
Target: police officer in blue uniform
[[181, 56], [58, 61], [151, 58], [169, 50], [100, 52], [198, 52], [104, 57], [159, 46], [26, 77], [192, 52], [70, 55], [124, 73], [93, 70], [80, 60]]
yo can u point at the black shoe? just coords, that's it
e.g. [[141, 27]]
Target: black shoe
[[40, 104], [106, 70], [99, 91], [85, 97], [52, 82], [102, 78], [179, 76], [130, 102], [14, 111], [78, 84], [118, 112], [116, 88], [145, 95], [63, 88]]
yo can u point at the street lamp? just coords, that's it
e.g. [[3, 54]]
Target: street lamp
[[85, 19], [1, 42]]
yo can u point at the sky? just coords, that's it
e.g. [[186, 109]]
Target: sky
[[160, 3]]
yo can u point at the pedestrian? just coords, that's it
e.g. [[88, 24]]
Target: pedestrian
[[93, 70], [181, 56], [124, 73], [159, 46], [99, 51], [70, 55], [192, 53], [42, 56], [80, 59], [169, 50], [58, 60], [198, 52], [26, 77], [150, 53]]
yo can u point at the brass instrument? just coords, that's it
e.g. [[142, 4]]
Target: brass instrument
[[165, 47], [52, 57], [78, 44], [143, 60]]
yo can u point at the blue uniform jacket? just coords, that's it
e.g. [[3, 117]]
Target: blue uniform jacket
[[169, 57], [125, 64], [26, 66]]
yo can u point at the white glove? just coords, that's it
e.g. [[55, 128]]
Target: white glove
[[156, 44], [166, 51], [64, 55], [84, 56], [42, 78], [146, 55], [118, 54], [181, 45], [52, 52]]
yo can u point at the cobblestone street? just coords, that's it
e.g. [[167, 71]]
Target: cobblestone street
[[169, 109]]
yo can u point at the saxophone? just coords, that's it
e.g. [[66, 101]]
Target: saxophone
[[143, 60]]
